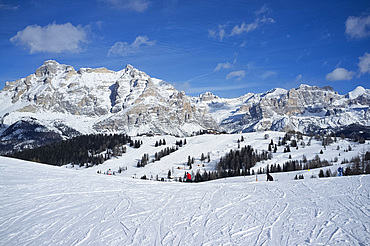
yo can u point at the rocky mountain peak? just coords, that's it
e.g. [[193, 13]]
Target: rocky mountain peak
[[208, 96], [128, 68], [50, 68], [359, 91]]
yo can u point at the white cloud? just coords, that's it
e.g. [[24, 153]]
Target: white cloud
[[52, 38], [124, 49], [364, 64], [8, 7], [299, 77], [240, 74], [245, 28], [263, 9], [340, 74], [220, 33], [99, 25], [268, 74], [259, 20], [358, 27], [226, 65], [134, 5]]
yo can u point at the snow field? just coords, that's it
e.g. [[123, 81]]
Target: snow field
[[47, 205], [217, 146]]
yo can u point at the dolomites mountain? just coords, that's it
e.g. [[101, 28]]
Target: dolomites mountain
[[307, 109], [58, 102]]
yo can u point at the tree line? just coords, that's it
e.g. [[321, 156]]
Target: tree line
[[162, 153], [90, 149]]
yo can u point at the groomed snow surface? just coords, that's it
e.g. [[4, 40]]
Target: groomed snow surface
[[47, 205]]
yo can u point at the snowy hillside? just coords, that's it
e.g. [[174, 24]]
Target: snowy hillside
[[60, 102], [47, 205], [216, 146]]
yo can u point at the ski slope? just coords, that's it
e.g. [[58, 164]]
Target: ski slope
[[47, 205], [217, 146]]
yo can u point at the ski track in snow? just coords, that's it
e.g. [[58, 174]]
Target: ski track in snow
[[46, 205]]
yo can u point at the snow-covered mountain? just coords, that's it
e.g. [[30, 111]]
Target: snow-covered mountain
[[59, 102], [308, 109]]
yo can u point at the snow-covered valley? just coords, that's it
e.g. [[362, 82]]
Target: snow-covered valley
[[47, 205]]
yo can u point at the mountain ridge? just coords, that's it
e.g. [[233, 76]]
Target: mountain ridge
[[65, 101]]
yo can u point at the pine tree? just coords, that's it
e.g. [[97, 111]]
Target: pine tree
[[328, 173], [367, 169], [321, 173], [202, 157]]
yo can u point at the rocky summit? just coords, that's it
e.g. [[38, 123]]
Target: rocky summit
[[58, 102]]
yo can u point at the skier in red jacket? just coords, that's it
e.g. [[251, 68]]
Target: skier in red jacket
[[188, 177]]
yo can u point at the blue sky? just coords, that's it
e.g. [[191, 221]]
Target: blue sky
[[227, 47]]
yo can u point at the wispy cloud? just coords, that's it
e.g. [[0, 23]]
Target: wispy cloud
[[124, 49], [268, 74], [358, 27], [340, 74], [298, 78], [226, 65], [194, 78], [264, 9], [8, 7], [133, 5], [364, 64], [238, 75], [259, 20], [53, 38], [218, 33], [246, 28]]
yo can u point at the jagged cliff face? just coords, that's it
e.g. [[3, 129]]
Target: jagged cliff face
[[308, 109], [60, 103], [100, 100]]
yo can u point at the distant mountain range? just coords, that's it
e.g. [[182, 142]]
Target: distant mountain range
[[58, 102]]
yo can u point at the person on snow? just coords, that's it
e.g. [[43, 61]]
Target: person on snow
[[269, 177], [340, 171], [188, 177]]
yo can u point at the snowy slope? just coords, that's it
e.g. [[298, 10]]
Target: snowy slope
[[46, 205], [217, 146]]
